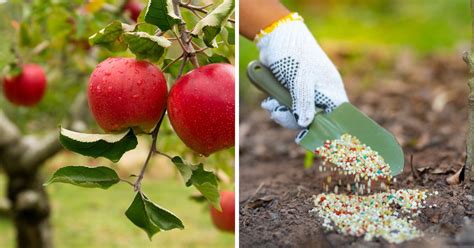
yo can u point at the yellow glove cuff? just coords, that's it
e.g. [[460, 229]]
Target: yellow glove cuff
[[289, 18]]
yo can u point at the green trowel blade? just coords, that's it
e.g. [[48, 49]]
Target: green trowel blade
[[345, 119]]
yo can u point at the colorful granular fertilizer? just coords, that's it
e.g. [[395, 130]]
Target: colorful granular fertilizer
[[385, 215], [354, 158]]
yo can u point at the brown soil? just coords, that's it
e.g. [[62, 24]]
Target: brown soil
[[422, 101]]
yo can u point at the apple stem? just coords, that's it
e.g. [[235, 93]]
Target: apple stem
[[19, 58], [172, 62], [164, 154], [127, 182], [181, 68]]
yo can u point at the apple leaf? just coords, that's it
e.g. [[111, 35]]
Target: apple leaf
[[151, 217], [210, 26], [110, 146], [146, 46], [231, 35], [204, 181], [147, 28], [89, 177], [216, 58], [161, 14], [184, 169], [111, 37]]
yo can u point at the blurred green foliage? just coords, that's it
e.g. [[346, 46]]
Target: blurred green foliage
[[62, 28], [422, 26]]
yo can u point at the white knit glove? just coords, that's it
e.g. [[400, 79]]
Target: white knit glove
[[298, 62]]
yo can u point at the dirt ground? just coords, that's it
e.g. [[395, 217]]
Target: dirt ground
[[421, 100]]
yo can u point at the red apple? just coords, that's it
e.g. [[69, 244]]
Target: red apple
[[133, 7], [26, 88], [201, 108], [124, 93], [225, 220]]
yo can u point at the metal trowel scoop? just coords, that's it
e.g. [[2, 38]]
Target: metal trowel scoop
[[345, 119]]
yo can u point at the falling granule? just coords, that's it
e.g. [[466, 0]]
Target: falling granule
[[385, 215], [354, 158]]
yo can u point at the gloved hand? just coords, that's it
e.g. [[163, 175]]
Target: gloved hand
[[290, 51]]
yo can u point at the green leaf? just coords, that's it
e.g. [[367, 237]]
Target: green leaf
[[146, 46], [89, 177], [161, 14], [13, 69], [216, 58], [110, 146], [151, 217], [184, 169], [206, 183], [147, 28], [231, 35], [111, 37], [210, 26]]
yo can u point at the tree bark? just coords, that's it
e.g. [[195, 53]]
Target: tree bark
[[469, 58], [30, 210], [21, 157]]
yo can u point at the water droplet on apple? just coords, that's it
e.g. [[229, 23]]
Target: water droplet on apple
[[135, 96], [109, 89]]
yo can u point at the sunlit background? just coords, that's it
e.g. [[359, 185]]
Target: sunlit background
[[366, 37]]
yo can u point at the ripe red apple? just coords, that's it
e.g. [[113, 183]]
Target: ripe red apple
[[26, 88], [124, 92], [201, 108], [225, 220], [133, 7]]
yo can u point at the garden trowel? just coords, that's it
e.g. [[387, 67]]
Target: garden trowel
[[345, 119]]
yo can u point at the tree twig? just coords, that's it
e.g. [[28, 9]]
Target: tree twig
[[181, 68], [184, 36], [164, 154], [172, 62], [154, 135], [202, 9], [127, 182]]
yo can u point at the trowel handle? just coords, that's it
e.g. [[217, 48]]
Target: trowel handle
[[264, 80]]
